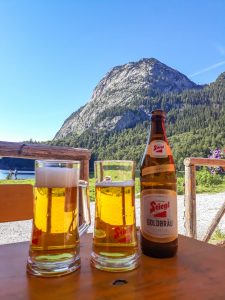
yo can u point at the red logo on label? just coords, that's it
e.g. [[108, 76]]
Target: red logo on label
[[160, 209], [36, 235], [158, 148], [122, 234]]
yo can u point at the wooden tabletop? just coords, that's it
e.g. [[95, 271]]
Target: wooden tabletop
[[197, 272]]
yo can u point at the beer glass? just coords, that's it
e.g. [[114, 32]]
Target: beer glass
[[54, 246], [115, 239]]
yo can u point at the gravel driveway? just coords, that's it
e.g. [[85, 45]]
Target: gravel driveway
[[207, 207]]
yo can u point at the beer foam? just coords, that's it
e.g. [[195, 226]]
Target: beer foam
[[115, 183], [56, 177]]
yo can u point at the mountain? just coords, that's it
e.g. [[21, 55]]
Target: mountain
[[121, 88], [114, 124]]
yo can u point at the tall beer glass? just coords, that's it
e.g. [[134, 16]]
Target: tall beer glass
[[115, 239], [54, 247]]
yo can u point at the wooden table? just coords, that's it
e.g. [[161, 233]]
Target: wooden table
[[197, 272]]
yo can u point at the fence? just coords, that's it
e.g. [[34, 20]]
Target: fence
[[17, 200], [190, 196]]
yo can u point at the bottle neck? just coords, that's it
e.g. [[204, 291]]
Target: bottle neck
[[158, 131]]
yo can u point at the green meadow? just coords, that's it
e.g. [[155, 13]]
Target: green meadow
[[205, 183]]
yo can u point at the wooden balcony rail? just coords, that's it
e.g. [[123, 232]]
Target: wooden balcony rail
[[22, 150], [190, 195], [16, 201], [42, 151]]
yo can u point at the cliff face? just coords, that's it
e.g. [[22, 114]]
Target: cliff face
[[122, 88]]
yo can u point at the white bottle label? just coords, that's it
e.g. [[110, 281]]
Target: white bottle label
[[159, 213], [158, 148]]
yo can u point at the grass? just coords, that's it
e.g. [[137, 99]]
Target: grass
[[217, 237], [92, 187], [206, 183], [210, 189], [201, 188], [17, 181]]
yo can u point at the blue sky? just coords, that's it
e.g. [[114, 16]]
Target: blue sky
[[53, 53]]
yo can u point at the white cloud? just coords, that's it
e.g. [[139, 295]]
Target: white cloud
[[208, 68]]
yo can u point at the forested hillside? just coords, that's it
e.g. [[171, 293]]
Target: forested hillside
[[195, 124], [114, 124]]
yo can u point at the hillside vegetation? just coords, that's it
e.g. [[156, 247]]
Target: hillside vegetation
[[195, 124], [115, 123]]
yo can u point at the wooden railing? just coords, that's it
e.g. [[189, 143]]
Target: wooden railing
[[190, 196], [42, 151], [16, 201]]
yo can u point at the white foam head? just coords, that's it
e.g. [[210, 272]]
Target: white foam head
[[56, 177], [115, 183]]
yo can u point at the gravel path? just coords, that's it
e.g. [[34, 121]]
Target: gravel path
[[207, 207]]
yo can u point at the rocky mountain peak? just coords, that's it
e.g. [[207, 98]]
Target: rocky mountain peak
[[120, 87], [221, 78], [149, 72]]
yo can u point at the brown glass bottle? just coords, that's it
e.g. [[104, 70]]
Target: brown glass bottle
[[158, 193]]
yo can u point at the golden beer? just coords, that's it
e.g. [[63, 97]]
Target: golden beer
[[115, 233], [54, 247], [115, 239], [55, 225]]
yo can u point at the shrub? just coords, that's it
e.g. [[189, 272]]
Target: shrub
[[206, 178]]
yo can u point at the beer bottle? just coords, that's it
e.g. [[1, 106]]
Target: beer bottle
[[158, 193]]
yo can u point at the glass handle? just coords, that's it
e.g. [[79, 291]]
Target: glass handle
[[84, 207]]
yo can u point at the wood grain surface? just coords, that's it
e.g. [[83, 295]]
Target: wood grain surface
[[197, 272], [42, 151], [16, 202]]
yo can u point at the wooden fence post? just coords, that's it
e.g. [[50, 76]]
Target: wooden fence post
[[190, 199], [214, 223], [190, 195]]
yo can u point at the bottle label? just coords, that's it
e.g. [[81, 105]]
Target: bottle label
[[158, 148], [159, 213]]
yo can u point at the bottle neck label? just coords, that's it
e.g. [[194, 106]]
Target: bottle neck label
[[158, 149], [159, 214]]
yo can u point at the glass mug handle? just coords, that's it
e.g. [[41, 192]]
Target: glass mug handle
[[84, 207]]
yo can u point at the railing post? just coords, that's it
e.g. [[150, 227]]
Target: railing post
[[190, 198], [214, 223], [85, 169]]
